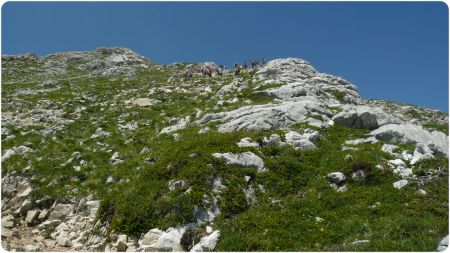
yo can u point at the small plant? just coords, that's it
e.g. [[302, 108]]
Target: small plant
[[339, 96], [49, 230]]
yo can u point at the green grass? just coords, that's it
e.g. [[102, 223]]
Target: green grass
[[436, 126], [339, 96]]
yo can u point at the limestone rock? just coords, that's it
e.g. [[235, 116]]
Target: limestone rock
[[247, 142], [31, 216], [144, 102], [182, 123], [63, 241], [60, 211], [412, 134], [363, 117], [246, 159], [336, 177], [115, 159], [207, 243], [26, 205], [150, 237], [169, 240], [400, 184], [263, 117]]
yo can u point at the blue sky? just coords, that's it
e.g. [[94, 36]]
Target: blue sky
[[391, 50]]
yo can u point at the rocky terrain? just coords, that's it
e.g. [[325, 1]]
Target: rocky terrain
[[109, 151]]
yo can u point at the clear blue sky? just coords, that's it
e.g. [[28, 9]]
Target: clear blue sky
[[393, 51]]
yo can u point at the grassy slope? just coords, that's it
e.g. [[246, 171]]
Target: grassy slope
[[404, 220]]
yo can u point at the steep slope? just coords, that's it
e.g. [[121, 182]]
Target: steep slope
[[106, 150]]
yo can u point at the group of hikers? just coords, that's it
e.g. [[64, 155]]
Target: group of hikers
[[239, 69], [208, 70]]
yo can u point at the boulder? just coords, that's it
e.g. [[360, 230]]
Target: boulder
[[246, 159], [412, 134], [169, 240], [336, 177], [63, 241], [121, 243], [182, 123], [26, 206], [60, 211], [8, 221], [31, 216], [273, 140], [404, 172], [43, 214], [207, 243], [363, 117], [150, 237], [247, 142], [400, 184], [144, 102], [8, 153], [299, 141], [397, 162], [115, 159]]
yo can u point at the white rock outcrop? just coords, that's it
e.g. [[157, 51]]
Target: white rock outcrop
[[412, 134], [364, 117], [207, 243], [263, 117], [245, 159]]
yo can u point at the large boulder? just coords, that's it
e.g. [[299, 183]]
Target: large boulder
[[363, 117], [246, 159], [412, 134], [169, 240]]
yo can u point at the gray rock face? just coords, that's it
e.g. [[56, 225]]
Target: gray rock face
[[412, 134], [246, 159], [262, 117], [363, 117], [300, 80]]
